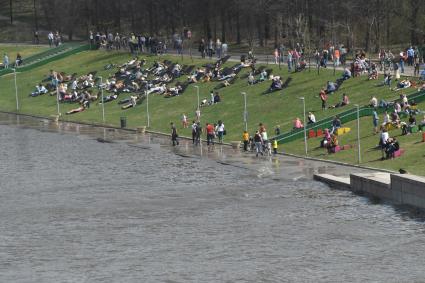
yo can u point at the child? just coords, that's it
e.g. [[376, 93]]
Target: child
[[245, 138], [274, 142]]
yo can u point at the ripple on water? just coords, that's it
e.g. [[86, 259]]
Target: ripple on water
[[74, 209]]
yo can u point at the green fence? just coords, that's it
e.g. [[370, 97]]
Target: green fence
[[48, 56], [345, 117]]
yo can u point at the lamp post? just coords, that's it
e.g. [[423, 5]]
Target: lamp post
[[197, 94], [16, 91], [103, 103], [57, 94], [198, 110], [305, 129], [358, 134], [147, 105], [245, 112]]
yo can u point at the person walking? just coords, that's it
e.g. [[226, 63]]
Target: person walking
[[258, 141], [245, 139], [210, 133], [220, 131], [202, 48], [174, 134], [194, 126], [274, 142], [184, 121], [198, 133]]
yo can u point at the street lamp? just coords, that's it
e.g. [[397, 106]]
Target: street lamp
[[198, 110], [147, 104], [57, 94], [358, 134], [16, 91], [245, 112], [197, 94], [305, 129], [103, 103]]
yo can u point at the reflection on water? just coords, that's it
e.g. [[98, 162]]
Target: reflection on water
[[137, 210]]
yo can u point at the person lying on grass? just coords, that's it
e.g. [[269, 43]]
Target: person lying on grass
[[83, 107], [174, 91], [39, 90], [402, 85], [132, 102]]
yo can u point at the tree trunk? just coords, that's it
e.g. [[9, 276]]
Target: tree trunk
[[238, 27], [223, 25], [11, 12]]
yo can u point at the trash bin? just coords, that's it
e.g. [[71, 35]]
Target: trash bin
[[123, 121]]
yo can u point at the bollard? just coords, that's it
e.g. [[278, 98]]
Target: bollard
[[123, 122]]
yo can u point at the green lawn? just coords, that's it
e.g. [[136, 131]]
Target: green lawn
[[24, 50], [279, 108], [413, 159]]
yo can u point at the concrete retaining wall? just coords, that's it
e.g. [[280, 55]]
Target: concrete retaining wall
[[398, 189], [375, 184], [408, 189], [335, 182]]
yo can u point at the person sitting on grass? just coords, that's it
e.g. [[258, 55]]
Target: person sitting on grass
[[345, 101], [326, 139], [347, 74], [217, 98], [373, 102], [373, 72], [387, 80], [412, 122], [276, 84], [263, 75], [333, 143], [298, 124], [311, 118], [39, 90], [251, 79], [395, 119], [19, 60], [391, 147]]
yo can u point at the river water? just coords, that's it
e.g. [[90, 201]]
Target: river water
[[77, 210]]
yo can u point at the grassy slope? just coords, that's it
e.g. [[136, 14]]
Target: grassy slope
[[277, 108], [25, 51], [413, 160]]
